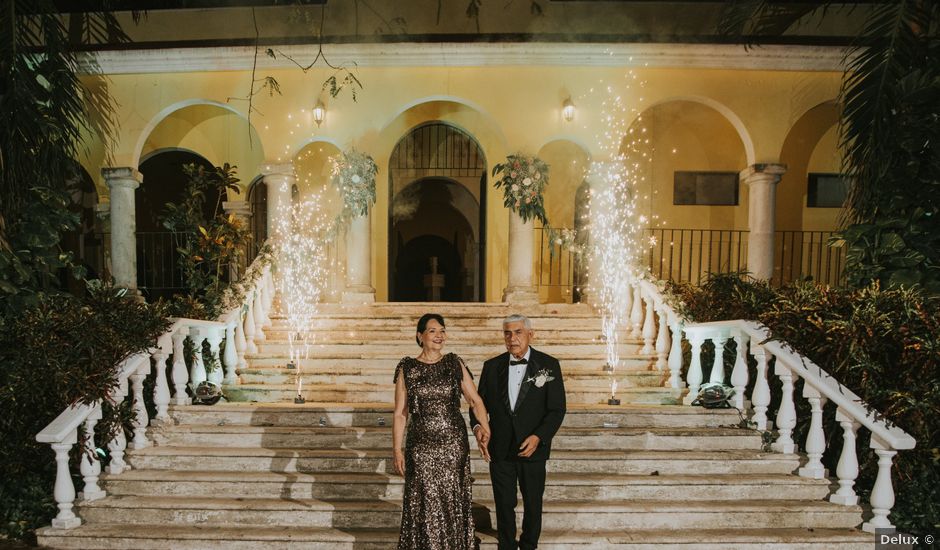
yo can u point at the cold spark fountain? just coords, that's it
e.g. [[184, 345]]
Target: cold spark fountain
[[615, 248]]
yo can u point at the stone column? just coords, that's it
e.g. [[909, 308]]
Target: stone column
[[762, 180], [280, 180], [359, 288], [122, 183], [242, 212], [520, 289]]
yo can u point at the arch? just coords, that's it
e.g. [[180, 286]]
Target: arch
[[209, 128], [473, 106], [568, 163], [722, 109], [430, 158], [814, 130]]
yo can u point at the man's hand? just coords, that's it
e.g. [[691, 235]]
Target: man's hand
[[483, 439], [529, 446], [399, 462]]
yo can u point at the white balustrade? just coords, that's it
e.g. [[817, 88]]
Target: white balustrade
[[754, 341], [240, 328], [215, 341], [649, 329]]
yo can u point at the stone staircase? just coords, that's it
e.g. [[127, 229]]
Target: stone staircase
[[266, 473]]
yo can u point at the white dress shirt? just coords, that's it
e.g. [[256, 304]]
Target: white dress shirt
[[516, 377]]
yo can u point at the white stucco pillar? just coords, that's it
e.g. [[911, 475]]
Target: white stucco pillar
[[520, 289], [359, 288], [761, 180], [279, 179], [123, 183]]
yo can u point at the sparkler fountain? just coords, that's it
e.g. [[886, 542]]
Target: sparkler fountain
[[614, 251], [303, 274]]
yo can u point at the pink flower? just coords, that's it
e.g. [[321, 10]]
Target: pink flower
[[513, 174], [528, 200]]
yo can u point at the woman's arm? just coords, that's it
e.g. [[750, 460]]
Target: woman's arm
[[479, 409], [399, 419]]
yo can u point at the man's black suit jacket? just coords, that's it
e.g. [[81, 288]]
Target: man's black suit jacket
[[539, 411]]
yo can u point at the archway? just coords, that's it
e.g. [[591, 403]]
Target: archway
[[164, 181], [437, 182]]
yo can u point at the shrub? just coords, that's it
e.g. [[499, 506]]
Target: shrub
[[61, 351]]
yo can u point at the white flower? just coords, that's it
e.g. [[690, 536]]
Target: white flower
[[531, 168], [527, 182], [537, 176], [355, 178], [515, 188], [540, 378]]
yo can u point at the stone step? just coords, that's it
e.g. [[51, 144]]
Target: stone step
[[337, 362], [406, 348], [376, 437], [478, 335], [254, 459], [609, 516], [113, 536], [383, 486], [369, 414], [483, 322], [596, 379], [358, 393]]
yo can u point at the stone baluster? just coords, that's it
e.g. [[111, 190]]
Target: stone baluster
[[636, 312], [197, 373], [739, 371], [760, 395], [250, 329], [180, 375], [260, 315], [269, 291], [214, 336], [161, 389], [649, 328], [241, 344], [119, 442], [717, 376], [786, 414], [847, 469], [675, 356], [628, 304], [694, 377], [816, 437], [141, 419], [64, 492], [662, 341], [882, 494], [230, 358], [91, 465]]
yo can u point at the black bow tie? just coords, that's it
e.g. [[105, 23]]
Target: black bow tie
[[522, 361]]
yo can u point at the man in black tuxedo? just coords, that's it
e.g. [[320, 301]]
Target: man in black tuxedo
[[525, 396]]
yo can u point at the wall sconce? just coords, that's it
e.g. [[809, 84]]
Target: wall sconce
[[567, 110], [319, 113]]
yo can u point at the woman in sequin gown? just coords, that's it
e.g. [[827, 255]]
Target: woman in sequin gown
[[436, 459]]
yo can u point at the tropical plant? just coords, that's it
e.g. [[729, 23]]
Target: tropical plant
[[207, 247], [46, 112], [59, 351], [890, 129]]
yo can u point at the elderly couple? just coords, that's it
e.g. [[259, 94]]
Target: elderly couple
[[514, 413]]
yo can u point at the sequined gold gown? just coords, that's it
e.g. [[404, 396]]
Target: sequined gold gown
[[436, 511]]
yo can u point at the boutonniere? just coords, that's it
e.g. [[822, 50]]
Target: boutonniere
[[540, 378]]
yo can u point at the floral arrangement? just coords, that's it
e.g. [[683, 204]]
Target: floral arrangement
[[523, 179], [353, 173]]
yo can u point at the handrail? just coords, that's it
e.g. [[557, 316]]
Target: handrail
[[647, 304], [239, 327]]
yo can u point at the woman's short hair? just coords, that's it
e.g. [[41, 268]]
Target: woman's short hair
[[423, 323]]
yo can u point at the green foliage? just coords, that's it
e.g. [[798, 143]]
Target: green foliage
[[59, 351], [890, 129], [207, 247], [884, 345]]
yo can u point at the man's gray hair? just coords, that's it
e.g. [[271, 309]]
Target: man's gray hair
[[515, 318]]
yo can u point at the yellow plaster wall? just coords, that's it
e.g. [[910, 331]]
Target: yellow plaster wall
[[507, 109]]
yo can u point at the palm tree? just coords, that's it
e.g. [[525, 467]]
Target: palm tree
[[889, 131]]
